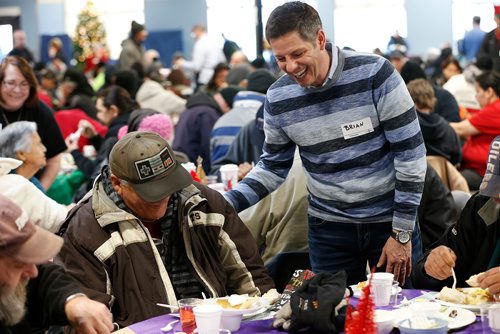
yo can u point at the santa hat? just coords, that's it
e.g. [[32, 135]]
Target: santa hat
[[497, 9]]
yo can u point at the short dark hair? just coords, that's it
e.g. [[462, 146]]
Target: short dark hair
[[476, 19], [489, 79], [119, 97], [293, 16]]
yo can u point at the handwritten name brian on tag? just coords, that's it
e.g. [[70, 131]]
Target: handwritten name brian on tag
[[357, 128]]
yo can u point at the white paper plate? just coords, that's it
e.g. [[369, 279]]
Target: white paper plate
[[463, 317], [473, 308], [259, 306]]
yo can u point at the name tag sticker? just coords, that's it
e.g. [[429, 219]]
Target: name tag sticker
[[357, 128]]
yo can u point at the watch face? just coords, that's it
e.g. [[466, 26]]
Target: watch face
[[404, 237]]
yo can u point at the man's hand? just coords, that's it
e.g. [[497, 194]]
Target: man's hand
[[439, 263], [490, 280], [87, 316], [243, 170], [397, 258]]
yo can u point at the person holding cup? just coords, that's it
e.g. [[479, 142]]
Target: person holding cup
[[472, 245]]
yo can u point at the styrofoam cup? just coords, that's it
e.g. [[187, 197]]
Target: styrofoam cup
[[494, 317], [381, 288], [208, 318], [229, 176]]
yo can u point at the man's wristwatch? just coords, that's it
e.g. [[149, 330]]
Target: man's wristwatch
[[401, 236]]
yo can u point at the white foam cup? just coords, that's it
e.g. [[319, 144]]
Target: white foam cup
[[381, 288], [208, 318], [494, 317], [229, 176]]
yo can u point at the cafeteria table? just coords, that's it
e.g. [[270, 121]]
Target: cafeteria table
[[153, 325]]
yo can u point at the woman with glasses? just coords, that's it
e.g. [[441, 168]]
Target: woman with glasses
[[19, 102]]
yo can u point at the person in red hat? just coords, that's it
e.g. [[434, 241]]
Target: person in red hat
[[491, 42]]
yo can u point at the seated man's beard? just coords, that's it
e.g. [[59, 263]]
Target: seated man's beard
[[12, 304]]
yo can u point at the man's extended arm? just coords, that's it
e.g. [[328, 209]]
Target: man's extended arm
[[270, 172]]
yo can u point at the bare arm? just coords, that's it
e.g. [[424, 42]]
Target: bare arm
[[51, 171], [464, 129]]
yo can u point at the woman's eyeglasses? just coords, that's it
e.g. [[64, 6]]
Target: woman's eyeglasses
[[11, 85]]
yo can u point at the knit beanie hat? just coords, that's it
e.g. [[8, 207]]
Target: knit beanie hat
[[260, 80], [159, 123], [228, 93], [136, 28]]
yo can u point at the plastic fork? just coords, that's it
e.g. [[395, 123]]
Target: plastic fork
[[168, 327], [454, 279]]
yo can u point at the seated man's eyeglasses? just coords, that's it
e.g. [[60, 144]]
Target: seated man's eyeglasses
[[11, 85]]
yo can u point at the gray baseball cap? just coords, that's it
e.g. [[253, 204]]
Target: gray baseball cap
[[147, 162]]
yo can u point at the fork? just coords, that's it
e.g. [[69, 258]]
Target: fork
[[168, 327], [454, 279]]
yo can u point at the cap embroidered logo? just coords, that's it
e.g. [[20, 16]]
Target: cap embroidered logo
[[155, 165]]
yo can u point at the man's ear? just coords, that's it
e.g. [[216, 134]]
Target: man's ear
[[116, 184], [321, 38]]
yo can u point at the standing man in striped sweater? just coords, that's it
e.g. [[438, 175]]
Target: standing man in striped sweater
[[356, 128]]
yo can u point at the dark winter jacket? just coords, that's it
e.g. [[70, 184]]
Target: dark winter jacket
[[46, 298], [473, 239], [193, 131], [439, 137], [113, 255]]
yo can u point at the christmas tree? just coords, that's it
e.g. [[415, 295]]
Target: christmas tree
[[89, 42]]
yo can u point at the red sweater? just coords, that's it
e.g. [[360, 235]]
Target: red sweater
[[475, 150]]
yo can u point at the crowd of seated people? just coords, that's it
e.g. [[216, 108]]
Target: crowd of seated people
[[139, 227]]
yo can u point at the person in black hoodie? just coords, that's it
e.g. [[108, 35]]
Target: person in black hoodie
[[439, 137], [472, 245], [114, 106], [193, 131]]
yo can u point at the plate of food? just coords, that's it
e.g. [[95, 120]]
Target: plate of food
[[242, 304], [466, 298], [457, 317], [356, 289]]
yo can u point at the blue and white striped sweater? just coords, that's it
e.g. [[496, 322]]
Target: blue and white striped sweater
[[245, 106], [374, 177]]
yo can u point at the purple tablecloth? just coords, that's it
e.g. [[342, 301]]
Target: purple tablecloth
[[152, 326]]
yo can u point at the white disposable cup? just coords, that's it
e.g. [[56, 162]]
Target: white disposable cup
[[189, 166], [89, 151], [208, 318], [229, 176], [494, 317], [381, 288]]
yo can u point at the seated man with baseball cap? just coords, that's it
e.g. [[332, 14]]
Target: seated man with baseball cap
[[472, 245], [148, 234], [34, 297]]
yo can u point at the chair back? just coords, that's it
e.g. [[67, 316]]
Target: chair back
[[448, 173]]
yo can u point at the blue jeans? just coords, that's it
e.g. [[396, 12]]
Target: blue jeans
[[335, 246]]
